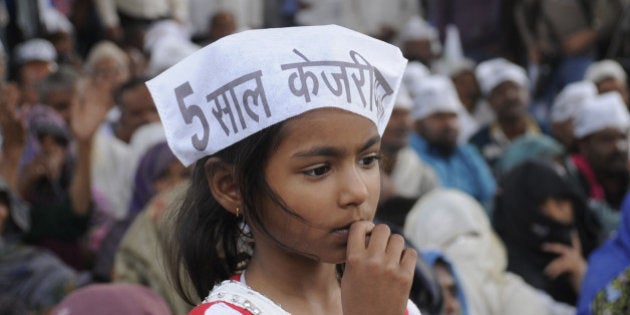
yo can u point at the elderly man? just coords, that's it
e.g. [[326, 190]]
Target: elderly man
[[436, 122], [505, 87], [600, 167]]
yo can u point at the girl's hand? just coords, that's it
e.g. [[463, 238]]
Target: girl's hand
[[379, 271], [569, 261]]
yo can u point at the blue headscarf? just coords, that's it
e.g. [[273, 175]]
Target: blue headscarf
[[607, 262], [431, 257]]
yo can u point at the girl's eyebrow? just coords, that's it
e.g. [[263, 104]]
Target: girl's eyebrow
[[372, 141], [334, 151]]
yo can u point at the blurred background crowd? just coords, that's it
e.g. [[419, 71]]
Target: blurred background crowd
[[505, 159]]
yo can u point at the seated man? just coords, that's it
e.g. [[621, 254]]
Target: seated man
[[505, 87], [564, 109], [436, 124], [600, 166]]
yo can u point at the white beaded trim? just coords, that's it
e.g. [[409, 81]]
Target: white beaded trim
[[236, 293]]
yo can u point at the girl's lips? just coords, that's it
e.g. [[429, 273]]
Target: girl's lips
[[345, 231], [342, 231]]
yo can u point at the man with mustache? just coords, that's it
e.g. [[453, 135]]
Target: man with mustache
[[436, 114], [505, 87], [600, 167]]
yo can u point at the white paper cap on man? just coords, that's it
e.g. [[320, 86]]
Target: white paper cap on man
[[605, 69], [251, 80], [493, 72], [417, 28], [167, 52], [601, 112], [414, 73], [36, 49], [569, 100], [164, 29], [436, 94]]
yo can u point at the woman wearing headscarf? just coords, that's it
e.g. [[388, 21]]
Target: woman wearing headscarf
[[447, 278], [455, 223], [157, 171], [606, 285], [546, 228], [112, 298]]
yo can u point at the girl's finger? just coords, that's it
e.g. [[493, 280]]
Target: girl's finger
[[395, 247], [379, 239], [409, 259], [357, 235]]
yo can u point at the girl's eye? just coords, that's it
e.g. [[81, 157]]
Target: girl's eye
[[370, 160], [318, 171]]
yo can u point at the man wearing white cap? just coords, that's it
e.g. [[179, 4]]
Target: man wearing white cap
[[565, 107], [505, 87], [34, 61], [435, 113], [600, 167], [608, 75], [419, 41], [409, 176]]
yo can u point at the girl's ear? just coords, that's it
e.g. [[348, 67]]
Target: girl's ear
[[221, 179]]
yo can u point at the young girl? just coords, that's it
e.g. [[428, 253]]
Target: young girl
[[284, 127]]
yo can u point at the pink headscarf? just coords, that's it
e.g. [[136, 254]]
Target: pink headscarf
[[112, 298]]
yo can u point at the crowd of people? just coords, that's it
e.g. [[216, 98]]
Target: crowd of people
[[504, 163]]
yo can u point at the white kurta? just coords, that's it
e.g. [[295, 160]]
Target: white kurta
[[411, 176], [110, 177]]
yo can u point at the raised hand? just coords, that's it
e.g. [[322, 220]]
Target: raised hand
[[11, 122], [569, 261], [13, 133], [379, 271], [87, 113], [89, 108]]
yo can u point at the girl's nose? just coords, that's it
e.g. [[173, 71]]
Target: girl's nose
[[353, 188]]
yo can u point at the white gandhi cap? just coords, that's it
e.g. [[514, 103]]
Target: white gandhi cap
[[435, 94], [251, 80], [600, 112]]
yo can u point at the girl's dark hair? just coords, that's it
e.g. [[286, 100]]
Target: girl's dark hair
[[202, 239]]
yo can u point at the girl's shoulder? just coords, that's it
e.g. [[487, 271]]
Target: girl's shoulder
[[232, 297]]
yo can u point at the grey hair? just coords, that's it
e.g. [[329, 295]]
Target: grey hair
[[105, 49]]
